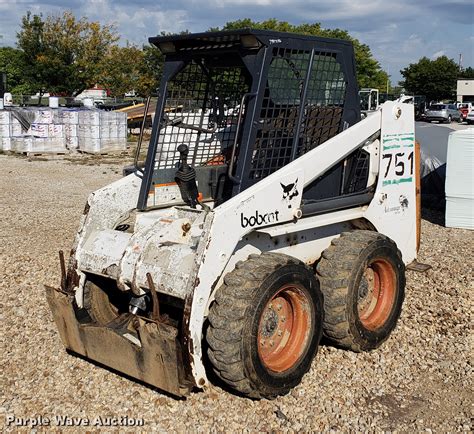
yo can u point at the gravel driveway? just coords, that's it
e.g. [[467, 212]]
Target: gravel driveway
[[421, 378]]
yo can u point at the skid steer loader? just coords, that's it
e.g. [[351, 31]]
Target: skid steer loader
[[266, 214]]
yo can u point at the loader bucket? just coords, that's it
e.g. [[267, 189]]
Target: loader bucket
[[148, 351]]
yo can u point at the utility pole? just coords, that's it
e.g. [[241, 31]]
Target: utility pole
[[388, 79], [460, 61]]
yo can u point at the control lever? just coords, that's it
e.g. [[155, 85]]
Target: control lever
[[186, 178]]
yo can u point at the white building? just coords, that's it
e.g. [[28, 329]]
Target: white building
[[465, 90]]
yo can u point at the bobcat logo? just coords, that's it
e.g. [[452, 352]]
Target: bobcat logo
[[289, 191], [403, 202]]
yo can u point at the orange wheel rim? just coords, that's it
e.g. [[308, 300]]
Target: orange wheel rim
[[376, 294], [284, 329]]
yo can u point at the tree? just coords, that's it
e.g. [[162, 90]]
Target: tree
[[63, 55], [436, 79], [30, 41], [120, 71], [129, 68], [12, 62], [369, 71], [151, 70], [467, 73]]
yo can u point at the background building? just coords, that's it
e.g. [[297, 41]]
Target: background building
[[465, 90]]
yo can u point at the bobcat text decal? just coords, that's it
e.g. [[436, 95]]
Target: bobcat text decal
[[258, 219]]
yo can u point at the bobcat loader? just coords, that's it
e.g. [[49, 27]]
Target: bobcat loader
[[266, 214]]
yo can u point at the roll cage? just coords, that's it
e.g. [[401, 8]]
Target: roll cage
[[248, 102]]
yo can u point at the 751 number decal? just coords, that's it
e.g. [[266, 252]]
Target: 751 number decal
[[399, 164]]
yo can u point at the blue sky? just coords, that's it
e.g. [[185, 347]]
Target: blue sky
[[399, 32]]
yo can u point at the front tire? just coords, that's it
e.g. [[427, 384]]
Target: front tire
[[265, 325], [102, 303], [362, 277]]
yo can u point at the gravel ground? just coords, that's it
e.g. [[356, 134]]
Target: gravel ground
[[420, 379]]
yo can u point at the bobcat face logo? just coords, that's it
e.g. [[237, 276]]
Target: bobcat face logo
[[289, 191], [403, 201]]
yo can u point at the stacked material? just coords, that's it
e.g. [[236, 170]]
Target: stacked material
[[101, 131], [460, 180], [45, 134], [9, 127], [62, 130]]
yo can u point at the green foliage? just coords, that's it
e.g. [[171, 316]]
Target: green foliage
[[12, 61], [369, 71], [120, 69], [151, 70], [467, 73], [63, 55], [436, 79], [129, 68]]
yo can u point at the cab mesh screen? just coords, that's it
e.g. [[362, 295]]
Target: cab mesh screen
[[206, 98], [282, 126]]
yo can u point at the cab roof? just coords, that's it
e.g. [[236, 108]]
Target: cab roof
[[243, 38]]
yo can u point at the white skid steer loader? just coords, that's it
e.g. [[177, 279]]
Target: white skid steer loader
[[266, 214]]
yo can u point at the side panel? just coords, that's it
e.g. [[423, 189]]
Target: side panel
[[393, 209]]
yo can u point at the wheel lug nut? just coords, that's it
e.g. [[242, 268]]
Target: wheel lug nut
[[262, 343], [283, 318], [280, 332], [271, 343], [279, 306]]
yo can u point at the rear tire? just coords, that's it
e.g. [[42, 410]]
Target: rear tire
[[362, 277], [265, 325]]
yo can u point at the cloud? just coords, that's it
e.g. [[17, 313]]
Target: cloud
[[439, 53], [398, 32]]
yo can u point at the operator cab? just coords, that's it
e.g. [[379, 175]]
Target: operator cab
[[236, 106]]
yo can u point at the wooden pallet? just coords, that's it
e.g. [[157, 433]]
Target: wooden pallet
[[45, 154]]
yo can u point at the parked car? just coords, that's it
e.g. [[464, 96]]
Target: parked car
[[465, 108], [470, 117], [443, 113]]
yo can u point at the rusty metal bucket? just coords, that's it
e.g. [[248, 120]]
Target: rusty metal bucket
[[143, 349]]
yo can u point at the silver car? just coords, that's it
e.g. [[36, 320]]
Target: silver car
[[443, 113], [470, 117]]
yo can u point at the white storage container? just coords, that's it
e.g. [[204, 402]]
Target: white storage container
[[5, 143], [69, 117], [5, 130], [56, 130], [41, 145], [39, 130], [72, 143], [18, 144], [5, 117], [70, 130], [16, 129], [44, 116], [460, 179], [54, 102], [122, 131]]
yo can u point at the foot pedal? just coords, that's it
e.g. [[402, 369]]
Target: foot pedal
[[418, 267]]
